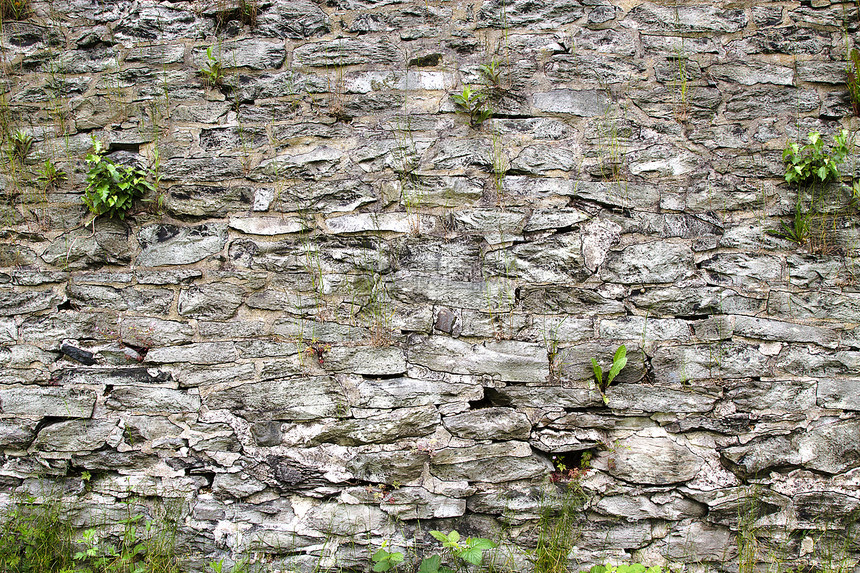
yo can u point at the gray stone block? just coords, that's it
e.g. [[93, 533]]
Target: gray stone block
[[307, 398], [143, 400], [489, 424], [346, 52], [503, 360], [76, 436], [172, 245], [584, 103], [39, 402]]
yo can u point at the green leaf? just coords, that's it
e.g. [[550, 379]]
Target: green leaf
[[439, 536], [454, 536], [430, 564], [616, 369], [598, 372], [471, 555], [482, 543]]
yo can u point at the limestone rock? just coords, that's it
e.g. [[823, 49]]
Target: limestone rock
[[172, 245], [505, 360], [282, 399], [82, 248], [75, 436], [650, 460], [39, 402], [489, 424], [293, 19], [215, 301]]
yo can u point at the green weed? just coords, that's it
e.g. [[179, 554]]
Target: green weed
[[474, 104], [21, 143], [111, 188], [35, 539], [798, 230], [50, 176], [558, 530], [811, 163], [213, 72], [619, 361]]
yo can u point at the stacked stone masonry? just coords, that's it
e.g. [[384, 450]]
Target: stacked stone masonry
[[348, 315]]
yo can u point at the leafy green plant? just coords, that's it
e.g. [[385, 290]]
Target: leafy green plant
[[384, 560], [21, 144], [110, 558], [33, 539], [50, 176], [474, 104], [492, 70], [213, 72], [146, 549], [433, 564], [471, 550], [14, 9], [853, 82], [111, 188], [812, 163], [619, 361], [798, 231]]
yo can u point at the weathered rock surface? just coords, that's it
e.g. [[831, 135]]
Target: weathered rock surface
[[351, 303]]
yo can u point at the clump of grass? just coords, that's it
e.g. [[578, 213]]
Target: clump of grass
[[51, 176], [35, 539], [14, 9], [558, 530]]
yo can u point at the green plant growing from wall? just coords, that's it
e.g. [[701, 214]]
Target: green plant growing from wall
[[619, 361], [20, 145], [33, 538], [111, 188], [798, 230], [384, 560], [50, 176], [212, 72], [809, 166], [812, 163], [470, 550], [559, 526], [492, 70], [853, 83], [625, 568], [474, 104]]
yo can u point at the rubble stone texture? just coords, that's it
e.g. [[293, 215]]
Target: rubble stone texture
[[349, 311]]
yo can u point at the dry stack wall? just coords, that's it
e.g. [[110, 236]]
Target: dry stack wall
[[351, 308]]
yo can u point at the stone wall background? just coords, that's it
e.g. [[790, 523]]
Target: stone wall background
[[355, 314]]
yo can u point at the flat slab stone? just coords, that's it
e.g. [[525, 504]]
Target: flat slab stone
[[584, 103]]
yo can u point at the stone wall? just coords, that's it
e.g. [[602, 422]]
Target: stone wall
[[352, 310]]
